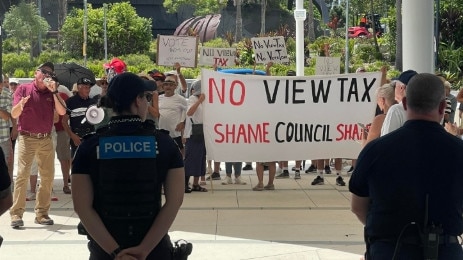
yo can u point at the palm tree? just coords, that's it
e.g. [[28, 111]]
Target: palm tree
[[310, 22], [239, 22], [263, 6]]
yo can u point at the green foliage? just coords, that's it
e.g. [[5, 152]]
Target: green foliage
[[201, 7], [126, 31], [13, 62], [23, 24], [217, 43], [450, 58]]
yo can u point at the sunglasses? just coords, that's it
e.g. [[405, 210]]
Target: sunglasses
[[46, 72], [149, 97], [169, 83]]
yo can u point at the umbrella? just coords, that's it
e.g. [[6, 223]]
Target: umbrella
[[69, 73]]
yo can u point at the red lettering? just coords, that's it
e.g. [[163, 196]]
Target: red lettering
[[242, 133], [232, 90], [349, 132], [236, 85]]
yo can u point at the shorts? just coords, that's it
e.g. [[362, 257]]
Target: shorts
[[63, 149]]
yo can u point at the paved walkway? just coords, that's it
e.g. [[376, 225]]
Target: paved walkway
[[295, 221]]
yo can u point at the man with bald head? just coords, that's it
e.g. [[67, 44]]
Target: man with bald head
[[416, 200]]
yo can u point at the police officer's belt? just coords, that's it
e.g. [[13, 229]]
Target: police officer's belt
[[443, 239]]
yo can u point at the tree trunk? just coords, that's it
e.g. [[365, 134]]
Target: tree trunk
[[374, 26], [311, 27], [239, 22], [263, 7], [398, 53]]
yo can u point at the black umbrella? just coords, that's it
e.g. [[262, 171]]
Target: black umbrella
[[69, 73]]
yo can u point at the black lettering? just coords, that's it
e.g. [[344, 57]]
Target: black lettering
[[366, 94], [271, 99]]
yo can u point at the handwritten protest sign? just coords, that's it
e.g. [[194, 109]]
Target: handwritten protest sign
[[222, 57], [181, 49], [327, 65], [274, 118], [268, 49]]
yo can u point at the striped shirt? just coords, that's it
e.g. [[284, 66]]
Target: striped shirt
[[5, 104]]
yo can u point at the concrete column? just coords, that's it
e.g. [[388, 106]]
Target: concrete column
[[418, 35]]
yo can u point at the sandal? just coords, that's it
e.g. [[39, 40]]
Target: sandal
[[258, 187], [66, 190], [269, 187], [198, 188], [202, 183]]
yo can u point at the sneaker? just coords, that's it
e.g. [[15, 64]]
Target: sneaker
[[238, 180], [318, 181], [294, 169], [327, 169], [269, 187], [16, 221], [44, 220], [283, 175], [247, 167], [215, 176], [340, 181], [312, 168], [297, 175], [258, 187], [351, 169], [31, 196], [227, 180]]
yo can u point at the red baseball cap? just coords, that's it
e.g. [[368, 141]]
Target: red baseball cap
[[117, 64]]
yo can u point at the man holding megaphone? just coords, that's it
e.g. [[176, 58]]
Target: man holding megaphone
[[73, 122]]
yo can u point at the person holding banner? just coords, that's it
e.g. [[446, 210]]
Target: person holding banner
[[195, 147], [260, 176], [396, 115]]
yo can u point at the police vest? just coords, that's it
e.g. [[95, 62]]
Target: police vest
[[128, 191]]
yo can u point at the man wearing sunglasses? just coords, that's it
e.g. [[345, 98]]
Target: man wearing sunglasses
[[34, 104], [77, 107], [172, 110]]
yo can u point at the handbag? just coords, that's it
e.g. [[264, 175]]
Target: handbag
[[197, 132], [181, 249]]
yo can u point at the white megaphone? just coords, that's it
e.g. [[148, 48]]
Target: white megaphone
[[94, 115]]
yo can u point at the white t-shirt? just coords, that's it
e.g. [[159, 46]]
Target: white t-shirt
[[172, 111], [197, 117], [395, 118]]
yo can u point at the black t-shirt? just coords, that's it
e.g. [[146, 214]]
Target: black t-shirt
[[399, 170], [77, 108]]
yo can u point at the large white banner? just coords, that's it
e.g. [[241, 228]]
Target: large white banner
[[274, 118]]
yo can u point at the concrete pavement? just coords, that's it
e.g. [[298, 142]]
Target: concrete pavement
[[295, 221]]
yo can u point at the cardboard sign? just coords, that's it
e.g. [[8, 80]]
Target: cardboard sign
[[269, 49], [327, 65], [181, 49], [278, 118], [222, 57]]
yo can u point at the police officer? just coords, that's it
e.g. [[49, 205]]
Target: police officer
[[409, 200], [117, 176]]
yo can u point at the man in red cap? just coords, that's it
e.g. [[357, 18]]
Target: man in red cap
[[115, 67]]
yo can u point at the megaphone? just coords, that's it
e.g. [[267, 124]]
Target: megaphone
[[94, 115]]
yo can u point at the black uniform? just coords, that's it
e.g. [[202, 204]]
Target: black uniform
[[128, 161], [397, 172]]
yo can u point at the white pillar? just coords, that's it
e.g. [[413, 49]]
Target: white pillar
[[418, 35], [300, 16]]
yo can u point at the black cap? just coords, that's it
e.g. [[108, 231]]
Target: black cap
[[85, 81], [406, 76], [47, 64], [125, 87]]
